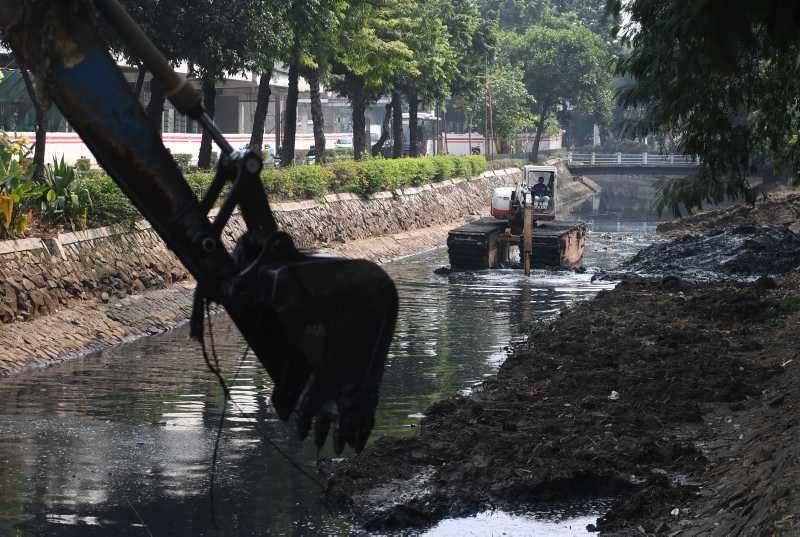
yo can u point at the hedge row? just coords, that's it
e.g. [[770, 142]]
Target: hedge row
[[369, 176], [303, 182]]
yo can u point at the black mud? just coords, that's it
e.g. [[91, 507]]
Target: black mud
[[673, 397], [743, 252]]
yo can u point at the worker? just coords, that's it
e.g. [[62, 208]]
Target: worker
[[540, 189]]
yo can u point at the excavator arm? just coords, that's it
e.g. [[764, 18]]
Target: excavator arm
[[320, 326]]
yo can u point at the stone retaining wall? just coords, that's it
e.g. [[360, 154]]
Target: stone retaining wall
[[41, 276]]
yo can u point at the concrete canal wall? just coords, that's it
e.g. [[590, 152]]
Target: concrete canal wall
[[86, 290]]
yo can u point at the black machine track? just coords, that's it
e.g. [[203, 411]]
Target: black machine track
[[473, 246]]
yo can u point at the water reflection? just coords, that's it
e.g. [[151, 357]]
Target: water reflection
[[119, 443]]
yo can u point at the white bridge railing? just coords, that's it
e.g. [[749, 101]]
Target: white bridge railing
[[635, 159]]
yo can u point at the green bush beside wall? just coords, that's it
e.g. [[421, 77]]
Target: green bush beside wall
[[110, 206]]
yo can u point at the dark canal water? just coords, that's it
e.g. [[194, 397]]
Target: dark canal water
[[120, 442]]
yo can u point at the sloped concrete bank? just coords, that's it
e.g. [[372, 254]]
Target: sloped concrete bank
[[77, 292]]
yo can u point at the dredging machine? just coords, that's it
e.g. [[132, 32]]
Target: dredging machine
[[523, 217]]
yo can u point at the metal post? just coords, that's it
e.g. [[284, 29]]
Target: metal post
[[672, 159], [278, 129], [527, 238], [644, 159], [593, 157], [569, 157], [619, 158]]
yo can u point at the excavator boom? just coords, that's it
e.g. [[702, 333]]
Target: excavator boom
[[320, 326]]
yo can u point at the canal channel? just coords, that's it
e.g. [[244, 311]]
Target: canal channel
[[120, 442]]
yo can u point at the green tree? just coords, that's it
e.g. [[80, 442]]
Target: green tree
[[313, 26], [163, 22], [512, 105], [722, 83], [589, 13], [516, 15], [563, 68], [419, 24], [220, 42], [365, 62], [450, 44], [265, 49]]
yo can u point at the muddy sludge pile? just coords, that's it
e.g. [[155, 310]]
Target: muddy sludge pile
[[782, 211], [743, 252], [632, 395]]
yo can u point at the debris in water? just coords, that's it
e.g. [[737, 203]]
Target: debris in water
[[443, 271]]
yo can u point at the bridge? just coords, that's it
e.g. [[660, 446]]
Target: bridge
[[644, 163], [628, 182]]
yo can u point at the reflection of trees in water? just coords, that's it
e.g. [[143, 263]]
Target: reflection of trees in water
[[94, 467]]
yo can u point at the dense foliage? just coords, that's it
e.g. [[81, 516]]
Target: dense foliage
[[720, 82]]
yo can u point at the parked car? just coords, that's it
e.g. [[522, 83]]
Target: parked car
[[311, 156], [344, 143]]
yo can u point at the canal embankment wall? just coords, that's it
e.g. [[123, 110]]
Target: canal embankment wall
[[83, 291]]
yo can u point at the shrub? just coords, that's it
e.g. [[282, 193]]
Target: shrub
[[199, 182], [478, 164], [109, 204], [64, 200], [461, 167], [348, 177], [377, 174], [16, 185], [278, 181], [184, 161], [312, 181], [444, 167], [83, 164], [416, 172]]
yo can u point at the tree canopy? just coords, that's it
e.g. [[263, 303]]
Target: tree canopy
[[563, 68], [531, 58], [722, 83]]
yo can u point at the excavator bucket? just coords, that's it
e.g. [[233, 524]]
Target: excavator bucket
[[322, 328]]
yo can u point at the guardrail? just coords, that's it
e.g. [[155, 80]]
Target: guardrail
[[635, 159]]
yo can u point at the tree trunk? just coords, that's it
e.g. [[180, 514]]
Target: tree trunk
[[539, 132], [413, 133], [155, 108], [397, 124], [385, 131], [41, 127], [290, 123], [209, 99], [359, 105], [260, 116], [317, 117], [137, 89]]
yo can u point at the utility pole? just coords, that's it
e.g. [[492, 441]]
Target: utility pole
[[487, 150], [489, 134]]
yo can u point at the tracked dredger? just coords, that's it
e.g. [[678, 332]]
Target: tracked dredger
[[523, 218]]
